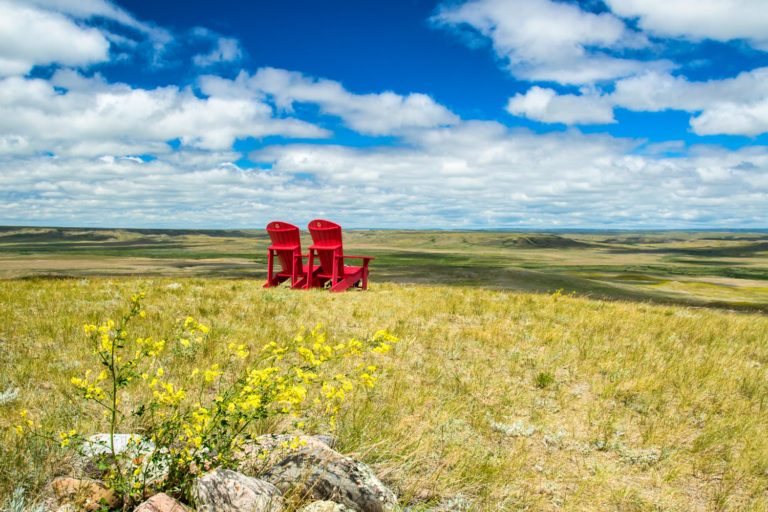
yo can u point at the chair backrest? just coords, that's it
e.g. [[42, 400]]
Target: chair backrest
[[328, 234], [286, 241]]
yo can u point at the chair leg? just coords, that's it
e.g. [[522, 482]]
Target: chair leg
[[309, 277], [300, 284], [270, 272], [346, 282], [343, 284], [335, 273]]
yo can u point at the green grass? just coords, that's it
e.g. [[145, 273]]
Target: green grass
[[508, 400]]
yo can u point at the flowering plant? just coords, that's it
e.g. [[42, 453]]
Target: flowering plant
[[189, 423]]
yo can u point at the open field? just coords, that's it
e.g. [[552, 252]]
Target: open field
[[494, 400], [718, 269]]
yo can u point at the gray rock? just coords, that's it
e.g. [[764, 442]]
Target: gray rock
[[99, 444], [323, 474], [134, 450], [325, 506], [224, 490], [329, 440], [265, 451]]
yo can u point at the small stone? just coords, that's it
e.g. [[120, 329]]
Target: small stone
[[323, 474], [162, 503], [224, 490], [85, 494], [325, 506]]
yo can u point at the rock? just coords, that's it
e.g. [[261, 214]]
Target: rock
[[271, 441], [162, 503], [249, 456], [134, 450], [324, 474], [99, 444], [325, 506], [224, 490], [329, 440], [83, 494]]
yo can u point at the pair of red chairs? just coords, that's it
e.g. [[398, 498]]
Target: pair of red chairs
[[325, 265]]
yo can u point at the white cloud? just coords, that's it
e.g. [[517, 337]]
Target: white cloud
[[30, 36], [226, 50], [721, 20], [43, 32], [447, 172], [543, 40], [92, 116], [86, 9], [547, 106], [473, 174], [733, 119], [661, 91], [479, 174], [735, 106], [384, 113]]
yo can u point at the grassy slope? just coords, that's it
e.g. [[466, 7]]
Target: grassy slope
[[651, 407]]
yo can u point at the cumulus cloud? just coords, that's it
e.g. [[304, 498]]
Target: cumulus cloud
[[547, 106], [471, 174], [733, 119], [72, 33], [527, 179], [703, 19], [107, 191], [90, 116], [734, 106], [69, 145], [383, 113], [555, 41], [661, 91], [30, 36], [544, 40]]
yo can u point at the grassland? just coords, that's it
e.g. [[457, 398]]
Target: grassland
[[494, 399], [704, 269], [646, 389]]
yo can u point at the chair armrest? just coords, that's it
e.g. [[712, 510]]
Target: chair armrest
[[323, 246], [283, 247]]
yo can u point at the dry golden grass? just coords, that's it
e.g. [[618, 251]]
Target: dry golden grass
[[497, 400]]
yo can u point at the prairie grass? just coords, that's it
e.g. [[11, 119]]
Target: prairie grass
[[493, 400]]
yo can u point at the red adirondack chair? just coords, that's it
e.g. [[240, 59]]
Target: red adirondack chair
[[286, 245], [329, 250]]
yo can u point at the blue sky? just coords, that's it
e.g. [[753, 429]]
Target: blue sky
[[536, 114]]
